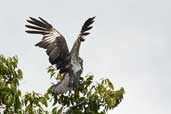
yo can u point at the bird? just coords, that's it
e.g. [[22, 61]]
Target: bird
[[68, 63]]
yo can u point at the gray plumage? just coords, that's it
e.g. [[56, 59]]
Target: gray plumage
[[68, 63]]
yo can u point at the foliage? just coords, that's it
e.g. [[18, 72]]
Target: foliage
[[91, 97], [10, 76], [34, 103]]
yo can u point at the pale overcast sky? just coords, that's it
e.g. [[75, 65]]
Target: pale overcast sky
[[129, 44]]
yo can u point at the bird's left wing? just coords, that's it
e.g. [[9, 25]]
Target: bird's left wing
[[54, 43], [84, 32]]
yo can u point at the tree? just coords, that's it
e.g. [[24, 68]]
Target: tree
[[90, 98]]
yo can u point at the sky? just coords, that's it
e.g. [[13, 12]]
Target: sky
[[129, 44]]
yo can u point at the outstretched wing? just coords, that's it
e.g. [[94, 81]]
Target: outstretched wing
[[85, 28], [54, 43], [84, 32]]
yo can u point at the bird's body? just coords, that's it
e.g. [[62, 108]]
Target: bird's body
[[68, 63]]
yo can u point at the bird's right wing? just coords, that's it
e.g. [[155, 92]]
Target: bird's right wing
[[54, 43]]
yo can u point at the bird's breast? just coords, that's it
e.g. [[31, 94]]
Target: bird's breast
[[76, 67]]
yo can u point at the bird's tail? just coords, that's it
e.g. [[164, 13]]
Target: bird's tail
[[62, 86]]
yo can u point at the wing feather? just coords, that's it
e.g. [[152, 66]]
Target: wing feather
[[36, 32], [34, 27], [84, 32], [54, 43], [87, 26]]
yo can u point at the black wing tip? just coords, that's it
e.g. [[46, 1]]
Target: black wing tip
[[87, 26], [28, 20], [35, 32], [89, 21], [40, 18], [27, 31], [31, 17], [92, 18], [38, 24]]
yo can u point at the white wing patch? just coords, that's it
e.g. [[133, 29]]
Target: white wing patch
[[51, 37]]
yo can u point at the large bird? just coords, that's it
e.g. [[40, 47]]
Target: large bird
[[67, 62]]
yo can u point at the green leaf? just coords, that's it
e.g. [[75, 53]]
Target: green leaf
[[54, 110], [43, 101], [110, 84], [59, 77], [20, 74]]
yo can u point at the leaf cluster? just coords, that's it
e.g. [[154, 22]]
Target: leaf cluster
[[90, 98], [10, 76]]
